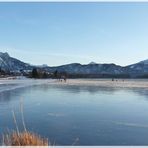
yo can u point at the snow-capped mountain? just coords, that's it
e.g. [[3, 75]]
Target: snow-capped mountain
[[76, 68], [144, 62], [140, 68], [8, 63], [134, 70], [91, 63]]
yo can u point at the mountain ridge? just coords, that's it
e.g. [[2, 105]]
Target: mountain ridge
[[11, 64]]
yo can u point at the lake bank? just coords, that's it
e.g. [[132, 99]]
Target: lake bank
[[117, 83], [126, 83]]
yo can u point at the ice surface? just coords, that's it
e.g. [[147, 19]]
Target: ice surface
[[10, 84]]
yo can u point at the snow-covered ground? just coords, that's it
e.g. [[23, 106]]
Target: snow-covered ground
[[10, 84], [123, 83]]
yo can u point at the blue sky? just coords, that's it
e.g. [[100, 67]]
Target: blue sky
[[61, 33]]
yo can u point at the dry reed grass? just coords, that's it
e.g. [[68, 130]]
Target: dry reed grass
[[24, 138]]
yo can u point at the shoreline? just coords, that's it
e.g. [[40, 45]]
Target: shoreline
[[118, 83]]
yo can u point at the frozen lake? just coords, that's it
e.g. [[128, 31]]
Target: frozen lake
[[77, 114]]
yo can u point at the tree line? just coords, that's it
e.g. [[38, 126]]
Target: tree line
[[36, 73]]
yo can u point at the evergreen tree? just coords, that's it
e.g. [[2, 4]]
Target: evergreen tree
[[44, 75], [55, 74], [35, 73]]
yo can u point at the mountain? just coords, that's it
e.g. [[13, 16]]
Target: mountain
[[8, 63], [76, 68], [92, 69], [140, 68], [91, 63]]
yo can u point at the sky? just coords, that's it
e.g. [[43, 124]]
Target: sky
[[62, 33]]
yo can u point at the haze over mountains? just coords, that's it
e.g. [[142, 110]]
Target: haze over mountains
[[8, 63]]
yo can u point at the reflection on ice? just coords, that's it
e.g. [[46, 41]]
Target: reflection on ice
[[98, 115]]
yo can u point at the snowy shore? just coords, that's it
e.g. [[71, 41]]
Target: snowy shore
[[126, 83], [10, 84]]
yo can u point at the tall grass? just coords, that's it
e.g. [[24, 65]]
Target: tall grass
[[24, 138]]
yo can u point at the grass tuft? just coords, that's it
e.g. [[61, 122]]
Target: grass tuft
[[24, 138]]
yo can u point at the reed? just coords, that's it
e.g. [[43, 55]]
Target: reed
[[24, 138]]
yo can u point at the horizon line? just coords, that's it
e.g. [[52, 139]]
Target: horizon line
[[70, 63]]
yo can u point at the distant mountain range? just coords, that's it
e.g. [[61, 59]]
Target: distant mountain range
[[8, 63]]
